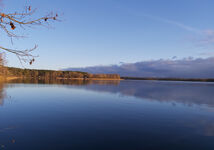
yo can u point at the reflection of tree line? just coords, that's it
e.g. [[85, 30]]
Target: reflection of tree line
[[56, 81], [2, 93], [186, 93], [64, 81]]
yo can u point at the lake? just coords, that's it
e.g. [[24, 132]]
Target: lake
[[106, 115]]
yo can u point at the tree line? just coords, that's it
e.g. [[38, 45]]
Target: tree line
[[52, 74]]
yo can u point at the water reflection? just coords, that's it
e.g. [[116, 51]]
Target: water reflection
[[180, 92], [208, 127], [65, 81], [13, 83], [2, 93], [78, 114], [188, 93]]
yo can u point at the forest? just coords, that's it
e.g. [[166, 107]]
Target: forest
[[52, 74]]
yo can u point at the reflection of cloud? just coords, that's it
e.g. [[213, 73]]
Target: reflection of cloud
[[208, 128], [186, 93], [183, 68], [171, 92], [203, 126]]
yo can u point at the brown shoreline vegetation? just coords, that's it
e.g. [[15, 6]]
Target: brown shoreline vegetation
[[10, 73], [14, 73]]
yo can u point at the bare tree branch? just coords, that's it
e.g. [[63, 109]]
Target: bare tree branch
[[10, 21]]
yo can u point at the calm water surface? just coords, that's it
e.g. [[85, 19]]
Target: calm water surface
[[106, 115]]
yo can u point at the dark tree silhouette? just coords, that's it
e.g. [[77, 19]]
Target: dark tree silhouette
[[9, 22]]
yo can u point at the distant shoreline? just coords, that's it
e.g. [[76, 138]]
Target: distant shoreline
[[126, 78], [88, 79], [16, 77], [170, 79], [14, 73]]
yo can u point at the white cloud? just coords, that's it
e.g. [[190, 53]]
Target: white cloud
[[182, 68]]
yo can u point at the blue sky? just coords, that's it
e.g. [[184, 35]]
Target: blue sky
[[105, 32]]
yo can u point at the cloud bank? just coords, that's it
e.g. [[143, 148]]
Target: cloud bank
[[182, 68]]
